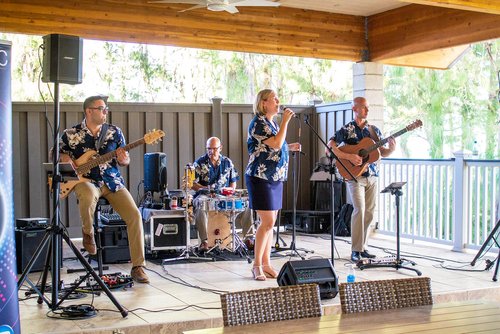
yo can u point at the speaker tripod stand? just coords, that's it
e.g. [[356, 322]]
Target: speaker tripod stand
[[53, 235], [395, 189], [492, 236]]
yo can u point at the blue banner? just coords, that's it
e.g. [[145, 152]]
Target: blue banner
[[9, 307]]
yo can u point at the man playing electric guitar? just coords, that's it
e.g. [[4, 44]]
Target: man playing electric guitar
[[105, 179], [361, 193]]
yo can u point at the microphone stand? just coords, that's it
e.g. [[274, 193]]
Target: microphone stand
[[294, 251], [332, 157]]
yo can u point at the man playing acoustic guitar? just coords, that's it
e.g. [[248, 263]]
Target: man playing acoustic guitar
[[362, 193], [105, 180]]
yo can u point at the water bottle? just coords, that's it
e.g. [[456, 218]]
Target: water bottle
[[351, 275]]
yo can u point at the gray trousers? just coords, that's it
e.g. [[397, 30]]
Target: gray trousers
[[363, 198]]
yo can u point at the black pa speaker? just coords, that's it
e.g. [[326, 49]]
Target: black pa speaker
[[27, 242], [62, 59], [155, 172], [319, 271]]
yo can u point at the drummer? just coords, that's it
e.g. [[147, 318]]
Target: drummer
[[214, 171]]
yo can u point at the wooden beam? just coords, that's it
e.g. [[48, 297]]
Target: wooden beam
[[280, 31], [441, 59], [415, 28], [483, 6]]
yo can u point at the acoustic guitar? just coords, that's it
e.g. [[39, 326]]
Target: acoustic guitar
[[367, 148], [91, 159]]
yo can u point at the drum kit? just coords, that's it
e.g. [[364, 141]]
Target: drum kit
[[222, 210]]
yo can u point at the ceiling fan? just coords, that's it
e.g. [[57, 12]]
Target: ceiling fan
[[222, 5]]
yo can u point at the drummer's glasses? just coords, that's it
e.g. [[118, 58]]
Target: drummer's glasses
[[213, 148]]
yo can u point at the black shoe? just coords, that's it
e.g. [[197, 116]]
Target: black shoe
[[355, 256], [367, 255]]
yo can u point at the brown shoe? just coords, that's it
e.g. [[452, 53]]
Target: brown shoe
[[89, 243], [139, 275]]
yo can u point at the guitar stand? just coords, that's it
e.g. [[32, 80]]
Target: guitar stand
[[492, 236], [395, 189]]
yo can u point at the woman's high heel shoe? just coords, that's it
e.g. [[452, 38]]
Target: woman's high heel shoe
[[257, 273], [269, 271]]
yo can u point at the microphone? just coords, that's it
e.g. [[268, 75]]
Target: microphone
[[282, 108]]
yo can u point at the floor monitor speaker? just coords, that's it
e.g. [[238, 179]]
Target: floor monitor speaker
[[319, 271], [155, 172], [62, 59]]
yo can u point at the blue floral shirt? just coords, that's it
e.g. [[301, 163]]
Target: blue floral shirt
[[265, 162], [218, 176], [78, 140], [351, 134]]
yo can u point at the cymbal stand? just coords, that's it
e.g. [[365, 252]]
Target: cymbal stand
[[188, 252]]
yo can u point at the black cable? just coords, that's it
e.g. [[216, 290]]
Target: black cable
[[183, 282]]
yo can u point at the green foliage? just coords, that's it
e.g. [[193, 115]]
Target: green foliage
[[457, 106]]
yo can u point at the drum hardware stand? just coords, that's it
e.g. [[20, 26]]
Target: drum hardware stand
[[294, 251], [492, 236], [53, 235], [395, 189], [238, 246], [188, 253], [332, 157]]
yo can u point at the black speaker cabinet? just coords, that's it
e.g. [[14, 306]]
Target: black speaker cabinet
[[114, 242], [167, 230], [26, 243], [319, 271], [155, 171], [62, 59]]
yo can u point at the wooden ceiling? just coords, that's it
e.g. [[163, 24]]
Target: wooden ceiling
[[386, 31]]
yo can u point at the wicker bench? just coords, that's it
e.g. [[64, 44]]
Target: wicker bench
[[385, 294], [271, 304]]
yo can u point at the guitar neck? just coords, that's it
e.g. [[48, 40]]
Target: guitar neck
[[84, 168], [384, 141]]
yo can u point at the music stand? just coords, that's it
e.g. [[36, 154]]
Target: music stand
[[490, 237], [395, 189], [55, 232]]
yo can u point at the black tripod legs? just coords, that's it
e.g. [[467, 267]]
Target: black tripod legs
[[397, 264], [97, 278]]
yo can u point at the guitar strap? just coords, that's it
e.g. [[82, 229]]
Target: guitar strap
[[102, 135], [373, 134]]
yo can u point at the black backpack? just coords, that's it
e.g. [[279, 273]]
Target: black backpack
[[343, 221]]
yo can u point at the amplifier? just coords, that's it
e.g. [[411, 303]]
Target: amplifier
[[114, 242], [319, 271], [31, 223], [166, 231], [27, 241]]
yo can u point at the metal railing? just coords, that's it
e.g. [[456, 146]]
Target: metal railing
[[452, 201]]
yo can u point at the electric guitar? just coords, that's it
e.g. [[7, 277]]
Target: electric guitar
[[91, 159], [368, 150]]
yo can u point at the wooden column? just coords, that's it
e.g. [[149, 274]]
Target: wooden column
[[368, 81]]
